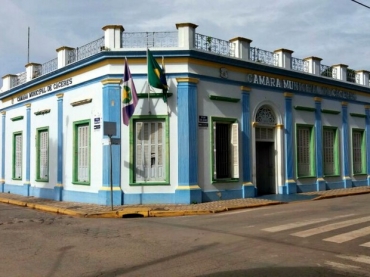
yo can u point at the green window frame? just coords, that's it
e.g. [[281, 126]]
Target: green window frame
[[358, 151], [17, 155], [224, 150], [42, 154], [81, 152], [330, 144], [149, 150], [305, 145]]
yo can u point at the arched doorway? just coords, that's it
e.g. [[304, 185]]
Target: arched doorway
[[265, 150]]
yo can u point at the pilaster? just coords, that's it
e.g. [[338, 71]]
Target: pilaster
[[58, 188], [113, 36], [248, 187], [320, 182], [112, 113], [188, 190], [3, 127], [314, 64], [367, 133], [186, 35], [362, 77], [347, 181], [65, 56], [290, 184], [242, 48], [27, 184], [284, 58], [341, 72]]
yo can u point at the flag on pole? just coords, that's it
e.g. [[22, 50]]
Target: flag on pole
[[129, 96], [156, 75]]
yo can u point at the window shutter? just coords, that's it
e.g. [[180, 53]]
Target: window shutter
[[235, 150], [356, 146], [329, 137], [303, 145], [139, 161], [18, 156], [83, 153], [214, 152], [44, 155]]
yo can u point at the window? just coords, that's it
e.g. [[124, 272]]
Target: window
[[358, 152], [305, 151], [42, 154], [150, 150], [225, 154], [331, 151], [81, 161], [17, 155]]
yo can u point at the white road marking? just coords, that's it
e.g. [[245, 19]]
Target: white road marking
[[342, 266], [299, 224], [367, 244], [237, 212], [330, 227], [350, 235], [359, 259]]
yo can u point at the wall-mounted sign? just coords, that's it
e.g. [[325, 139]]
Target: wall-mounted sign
[[224, 73], [46, 89], [203, 121], [298, 86]]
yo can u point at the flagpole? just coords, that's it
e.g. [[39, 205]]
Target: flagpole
[[168, 109], [147, 81]]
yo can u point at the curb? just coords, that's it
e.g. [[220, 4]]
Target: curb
[[340, 195]]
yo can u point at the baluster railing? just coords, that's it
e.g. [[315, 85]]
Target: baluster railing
[[149, 39], [214, 45], [263, 56]]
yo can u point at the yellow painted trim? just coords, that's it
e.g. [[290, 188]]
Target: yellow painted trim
[[317, 99], [291, 181], [247, 89], [367, 106], [188, 187], [280, 126], [344, 103], [320, 179], [3, 112], [108, 188], [111, 81], [187, 80], [288, 94], [346, 178], [28, 105], [81, 102], [2, 180], [254, 124], [248, 184], [27, 183], [60, 95], [59, 185]]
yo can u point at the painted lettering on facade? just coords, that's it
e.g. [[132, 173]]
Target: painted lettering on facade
[[298, 86], [45, 89]]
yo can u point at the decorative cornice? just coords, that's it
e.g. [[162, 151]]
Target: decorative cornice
[[330, 111], [111, 81], [344, 103], [317, 99], [64, 48], [313, 58], [81, 102], [284, 50], [245, 89], [187, 80], [28, 105], [240, 39], [42, 112], [113, 27], [223, 98], [288, 94], [16, 118]]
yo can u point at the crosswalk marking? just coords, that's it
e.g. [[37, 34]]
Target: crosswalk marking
[[300, 224], [360, 258], [330, 227], [367, 244], [350, 235]]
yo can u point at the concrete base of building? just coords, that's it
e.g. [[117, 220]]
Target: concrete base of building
[[249, 191], [105, 196], [347, 183], [58, 193], [26, 189], [188, 195], [321, 185]]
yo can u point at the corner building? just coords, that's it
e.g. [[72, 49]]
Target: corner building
[[239, 122]]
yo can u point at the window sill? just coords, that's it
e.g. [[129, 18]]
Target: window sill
[[335, 175], [42, 180], [225, 181], [17, 179], [306, 177], [81, 183], [150, 184]]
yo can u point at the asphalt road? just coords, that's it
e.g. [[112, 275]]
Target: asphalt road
[[313, 238]]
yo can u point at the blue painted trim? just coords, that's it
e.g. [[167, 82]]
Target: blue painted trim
[[16, 189], [246, 139], [209, 196], [334, 185], [318, 140], [289, 142], [148, 198], [345, 141], [188, 196], [28, 146], [60, 145], [58, 193], [367, 146], [46, 193], [79, 196], [104, 197], [3, 125], [320, 185], [187, 108], [112, 113]]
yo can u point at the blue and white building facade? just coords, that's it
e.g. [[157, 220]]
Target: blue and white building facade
[[239, 122]]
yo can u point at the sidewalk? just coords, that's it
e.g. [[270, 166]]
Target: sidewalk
[[161, 210]]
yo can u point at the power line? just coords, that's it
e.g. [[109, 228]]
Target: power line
[[361, 4]]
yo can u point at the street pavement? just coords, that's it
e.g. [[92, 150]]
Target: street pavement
[[162, 210]]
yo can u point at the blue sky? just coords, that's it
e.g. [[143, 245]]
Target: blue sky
[[338, 31]]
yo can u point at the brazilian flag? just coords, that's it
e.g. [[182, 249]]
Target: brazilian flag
[[157, 75]]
